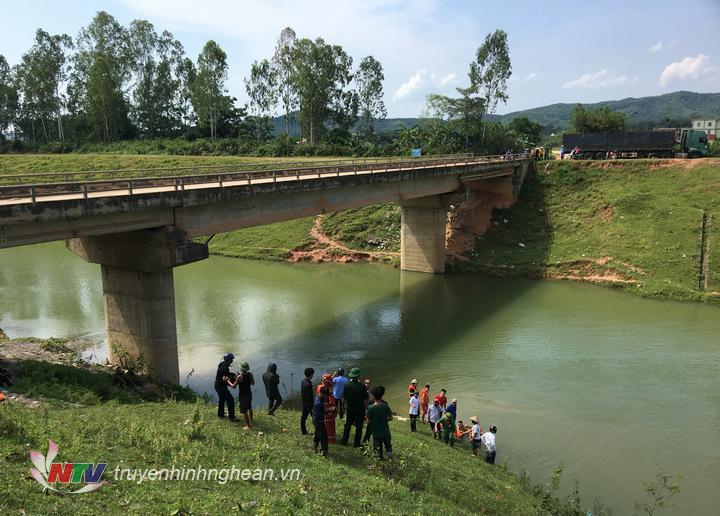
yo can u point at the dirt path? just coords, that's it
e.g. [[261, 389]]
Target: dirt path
[[325, 249]]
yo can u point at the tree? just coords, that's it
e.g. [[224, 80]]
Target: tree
[[525, 127], [321, 72], [491, 70], [283, 66], [261, 87], [102, 67], [41, 73], [208, 89], [8, 96], [463, 113], [598, 120], [369, 80], [186, 75], [155, 60]]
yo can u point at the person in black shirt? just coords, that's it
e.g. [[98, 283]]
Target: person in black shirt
[[306, 395], [318, 418], [221, 387], [356, 397], [272, 388], [244, 382]]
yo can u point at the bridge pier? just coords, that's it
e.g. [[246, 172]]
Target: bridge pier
[[139, 294], [422, 234]]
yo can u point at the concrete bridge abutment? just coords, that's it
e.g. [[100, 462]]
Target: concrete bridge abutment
[[139, 294], [422, 234]]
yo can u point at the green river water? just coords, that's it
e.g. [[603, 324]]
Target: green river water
[[614, 386]]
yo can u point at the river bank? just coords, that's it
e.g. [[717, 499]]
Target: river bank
[[650, 227], [94, 418]]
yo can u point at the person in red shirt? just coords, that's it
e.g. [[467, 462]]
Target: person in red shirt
[[413, 386], [424, 402], [442, 399]]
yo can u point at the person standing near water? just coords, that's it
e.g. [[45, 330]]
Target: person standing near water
[[434, 415], [424, 401], [414, 410], [222, 380], [488, 439], [339, 380], [356, 398], [452, 409], [306, 395], [379, 414], [272, 388], [244, 382], [318, 418], [446, 429], [330, 407], [475, 435]]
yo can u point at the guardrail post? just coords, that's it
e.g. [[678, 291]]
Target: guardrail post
[[248, 179], [130, 188], [182, 184], [274, 176], [84, 187], [32, 193], [297, 174], [220, 181]]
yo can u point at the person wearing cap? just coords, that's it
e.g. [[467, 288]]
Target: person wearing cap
[[446, 429], [222, 381], [318, 418], [244, 382], [452, 409], [306, 395], [339, 380], [434, 415], [413, 386], [414, 410], [475, 436], [488, 439], [355, 397], [424, 401]]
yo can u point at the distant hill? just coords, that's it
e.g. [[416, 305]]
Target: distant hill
[[669, 110]]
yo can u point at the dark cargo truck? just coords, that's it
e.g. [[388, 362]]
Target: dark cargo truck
[[679, 143]]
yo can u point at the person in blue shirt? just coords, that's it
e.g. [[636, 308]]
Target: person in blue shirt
[[318, 418], [452, 408], [339, 381]]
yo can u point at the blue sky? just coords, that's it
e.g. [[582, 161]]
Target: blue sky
[[561, 51]]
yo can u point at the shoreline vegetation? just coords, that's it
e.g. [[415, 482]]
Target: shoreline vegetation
[[651, 227], [95, 416]]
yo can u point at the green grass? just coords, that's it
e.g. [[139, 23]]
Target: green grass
[[371, 228], [269, 242], [424, 477], [645, 218]]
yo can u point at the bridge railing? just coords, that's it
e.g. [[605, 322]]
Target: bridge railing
[[217, 177]]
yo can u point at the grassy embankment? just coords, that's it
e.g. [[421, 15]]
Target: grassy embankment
[[93, 420]]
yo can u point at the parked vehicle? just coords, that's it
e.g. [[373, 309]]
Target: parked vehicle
[[678, 143]]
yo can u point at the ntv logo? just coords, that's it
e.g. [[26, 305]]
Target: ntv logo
[[47, 472]]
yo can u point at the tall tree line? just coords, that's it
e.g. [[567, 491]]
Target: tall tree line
[[113, 82], [316, 81]]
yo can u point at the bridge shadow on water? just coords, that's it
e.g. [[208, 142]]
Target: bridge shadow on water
[[393, 336]]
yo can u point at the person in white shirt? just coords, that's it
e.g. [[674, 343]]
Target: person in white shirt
[[414, 410], [488, 439], [475, 436]]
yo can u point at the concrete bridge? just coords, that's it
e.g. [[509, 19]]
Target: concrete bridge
[[139, 228]]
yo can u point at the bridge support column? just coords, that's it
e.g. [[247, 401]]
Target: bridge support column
[[139, 294], [422, 234]]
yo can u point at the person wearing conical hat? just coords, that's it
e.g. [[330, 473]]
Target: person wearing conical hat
[[475, 435]]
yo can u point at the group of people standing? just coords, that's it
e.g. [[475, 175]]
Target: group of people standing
[[443, 421], [349, 398]]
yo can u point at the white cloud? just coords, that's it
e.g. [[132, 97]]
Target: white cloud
[[599, 79], [657, 47], [411, 85], [696, 68], [444, 81], [532, 76]]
